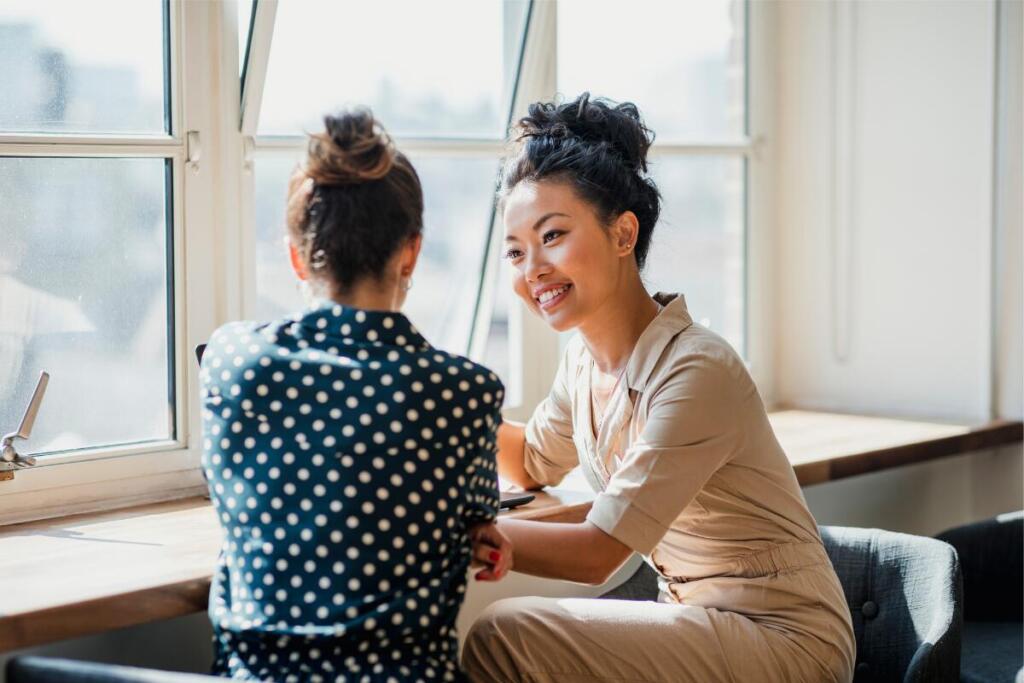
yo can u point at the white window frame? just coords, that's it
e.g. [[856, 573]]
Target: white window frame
[[95, 478], [211, 148]]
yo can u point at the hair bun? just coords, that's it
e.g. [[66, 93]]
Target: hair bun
[[600, 122], [353, 149]]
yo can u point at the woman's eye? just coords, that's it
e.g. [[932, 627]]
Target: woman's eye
[[551, 234], [512, 254]]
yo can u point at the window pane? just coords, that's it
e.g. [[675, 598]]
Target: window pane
[[457, 195], [84, 296], [497, 354], [426, 68], [698, 245], [681, 62], [82, 67], [245, 8]]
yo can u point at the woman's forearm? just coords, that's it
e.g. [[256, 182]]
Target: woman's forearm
[[571, 552], [512, 455]]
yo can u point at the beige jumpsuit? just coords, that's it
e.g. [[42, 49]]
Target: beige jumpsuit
[[688, 474]]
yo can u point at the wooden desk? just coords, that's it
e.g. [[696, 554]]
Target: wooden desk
[[75, 576], [80, 575]]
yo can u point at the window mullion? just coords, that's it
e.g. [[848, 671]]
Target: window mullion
[[97, 151], [257, 60], [529, 336], [744, 147]]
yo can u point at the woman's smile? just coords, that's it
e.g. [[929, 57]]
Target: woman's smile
[[550, 297]]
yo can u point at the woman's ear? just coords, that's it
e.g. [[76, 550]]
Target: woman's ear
[[410, 254], [625, 231], [298, 265]]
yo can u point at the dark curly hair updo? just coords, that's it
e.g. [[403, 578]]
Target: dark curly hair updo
[[597, 146], [355, 200]]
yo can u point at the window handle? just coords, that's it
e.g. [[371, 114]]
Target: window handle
[[9, 457], [193, 150]]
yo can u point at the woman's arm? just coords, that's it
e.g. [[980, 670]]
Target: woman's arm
[[571, 552], [512, 455]]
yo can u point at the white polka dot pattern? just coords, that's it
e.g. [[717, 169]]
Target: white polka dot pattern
[[346, 459]]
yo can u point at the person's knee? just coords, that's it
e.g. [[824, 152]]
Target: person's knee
[[488, 653]]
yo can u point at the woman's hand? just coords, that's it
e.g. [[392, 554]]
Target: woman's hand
[[491, 550]]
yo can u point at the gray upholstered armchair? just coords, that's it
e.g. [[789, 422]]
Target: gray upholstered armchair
[[905, 597], [904, 594]]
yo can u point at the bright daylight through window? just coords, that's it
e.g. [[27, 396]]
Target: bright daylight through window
[[85, 288]]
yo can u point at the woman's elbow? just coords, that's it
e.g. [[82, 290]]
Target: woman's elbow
[[606, 555], [531, 485], [599, 573]]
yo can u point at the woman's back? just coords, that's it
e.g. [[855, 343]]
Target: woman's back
[[347, 459]]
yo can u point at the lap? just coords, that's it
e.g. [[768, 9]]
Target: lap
[[573, 640]]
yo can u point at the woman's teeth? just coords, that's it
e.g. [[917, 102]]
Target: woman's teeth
[[551, 294]]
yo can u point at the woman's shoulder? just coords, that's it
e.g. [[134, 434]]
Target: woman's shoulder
[[245, 335], [460, 375], [699, 355]]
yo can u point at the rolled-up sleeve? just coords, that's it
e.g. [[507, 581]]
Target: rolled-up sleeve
[[550, 452], [689, 434]]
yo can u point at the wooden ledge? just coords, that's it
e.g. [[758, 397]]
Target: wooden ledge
[[86, 574], [75, 576], [829, 446]]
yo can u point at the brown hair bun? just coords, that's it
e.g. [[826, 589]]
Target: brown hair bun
[[354, 201], [354, 148]]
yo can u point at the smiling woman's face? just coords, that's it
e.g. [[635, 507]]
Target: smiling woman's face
[[566, 264]]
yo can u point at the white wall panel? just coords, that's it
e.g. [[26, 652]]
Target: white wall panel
[[904, 165]]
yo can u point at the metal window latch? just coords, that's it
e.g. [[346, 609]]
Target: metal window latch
[[193, 150], [10, 459]]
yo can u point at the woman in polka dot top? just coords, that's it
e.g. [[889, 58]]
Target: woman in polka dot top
[[350, 463]]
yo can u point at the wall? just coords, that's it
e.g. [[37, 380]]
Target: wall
[[884, 134], [898, 272]]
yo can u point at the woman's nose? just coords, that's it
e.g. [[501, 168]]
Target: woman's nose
[[536, 266]]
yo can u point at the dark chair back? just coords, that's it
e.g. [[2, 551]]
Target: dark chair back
[[50, 670], [991, 556], [905, 597]]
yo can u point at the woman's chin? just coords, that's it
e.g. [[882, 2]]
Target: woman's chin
[[560, 320]]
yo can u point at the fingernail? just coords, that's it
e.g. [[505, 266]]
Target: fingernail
[[495, 556]]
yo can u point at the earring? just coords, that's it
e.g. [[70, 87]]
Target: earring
[[408, 284]]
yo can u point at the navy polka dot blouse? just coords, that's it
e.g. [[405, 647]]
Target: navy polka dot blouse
[[346, 460]]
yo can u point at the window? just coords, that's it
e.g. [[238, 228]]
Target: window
[[86, 190], [688, 76], [451, 128], [144, 165]]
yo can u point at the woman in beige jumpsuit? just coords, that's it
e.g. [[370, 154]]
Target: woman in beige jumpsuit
[[668, 428]]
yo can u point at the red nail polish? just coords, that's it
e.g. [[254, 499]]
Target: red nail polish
[[495, 556]]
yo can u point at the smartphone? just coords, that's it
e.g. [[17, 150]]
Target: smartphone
[[514, 500]]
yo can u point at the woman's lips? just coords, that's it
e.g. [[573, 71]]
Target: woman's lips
[[551, 298]]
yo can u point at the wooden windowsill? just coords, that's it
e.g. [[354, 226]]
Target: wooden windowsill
[[86, 574], [829, 446]]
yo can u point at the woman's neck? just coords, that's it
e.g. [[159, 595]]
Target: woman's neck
[[612, 331], [370, 296]]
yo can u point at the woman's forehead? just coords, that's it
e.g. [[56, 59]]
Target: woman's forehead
[[530, 201]]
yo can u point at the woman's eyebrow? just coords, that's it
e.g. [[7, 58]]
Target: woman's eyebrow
[[540, 222]]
